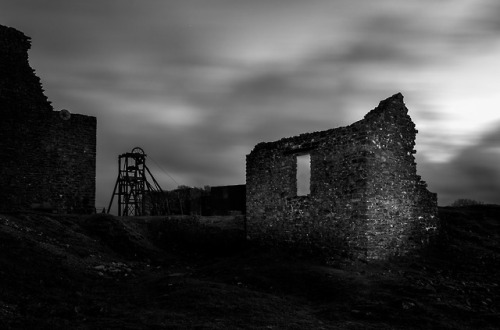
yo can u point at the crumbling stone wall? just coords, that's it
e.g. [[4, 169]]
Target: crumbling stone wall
[[48, 157], [366, 200]]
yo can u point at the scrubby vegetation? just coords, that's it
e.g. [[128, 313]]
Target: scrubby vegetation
[[103, 272], [465, 202]]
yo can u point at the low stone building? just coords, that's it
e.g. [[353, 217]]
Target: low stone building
[[207, 201], [48, 157], [362, 198]]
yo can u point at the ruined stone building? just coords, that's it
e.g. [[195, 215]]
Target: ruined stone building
[[209, 201], [47, 157], [363, 199]]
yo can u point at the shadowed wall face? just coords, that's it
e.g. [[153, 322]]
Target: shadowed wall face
[[365, 200], [48, 157]]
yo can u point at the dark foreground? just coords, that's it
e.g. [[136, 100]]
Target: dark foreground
[[69, 272]]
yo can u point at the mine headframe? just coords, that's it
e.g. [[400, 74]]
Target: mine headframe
[[136, 194]]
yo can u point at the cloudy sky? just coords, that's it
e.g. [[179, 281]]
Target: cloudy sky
[[197, 83]]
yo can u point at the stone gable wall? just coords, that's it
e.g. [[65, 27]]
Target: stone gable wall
[[356, 207], [401, 212], [48, 162]]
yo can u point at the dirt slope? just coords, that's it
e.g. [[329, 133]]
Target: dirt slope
[[99, 272]]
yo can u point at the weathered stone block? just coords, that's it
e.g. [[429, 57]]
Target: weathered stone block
[[366, 200]]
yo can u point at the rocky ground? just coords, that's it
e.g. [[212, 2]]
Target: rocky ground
[[98, 272]]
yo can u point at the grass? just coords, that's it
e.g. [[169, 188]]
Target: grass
[[103, 272]]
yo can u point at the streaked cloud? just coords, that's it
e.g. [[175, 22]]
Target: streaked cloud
[[197, 83], [473, 173]]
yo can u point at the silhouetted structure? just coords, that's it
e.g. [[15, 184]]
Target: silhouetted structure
[[48, 157], [365, 199], [135, 193], [219, 200], [228, 200]]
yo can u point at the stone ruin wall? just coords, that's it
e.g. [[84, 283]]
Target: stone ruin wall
[[48, 161], [366, 201], [401, 212]]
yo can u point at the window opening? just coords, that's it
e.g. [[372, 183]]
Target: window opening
[[303, 175]]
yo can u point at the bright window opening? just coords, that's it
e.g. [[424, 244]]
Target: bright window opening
[[303, 175]]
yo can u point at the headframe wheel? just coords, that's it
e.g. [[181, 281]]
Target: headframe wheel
[[138, 150]]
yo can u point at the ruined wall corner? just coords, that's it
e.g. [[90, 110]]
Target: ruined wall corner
[[49, 156]]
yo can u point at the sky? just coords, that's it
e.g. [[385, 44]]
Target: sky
[[198, 83]]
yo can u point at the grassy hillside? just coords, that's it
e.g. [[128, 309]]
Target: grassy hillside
[[101, 272]]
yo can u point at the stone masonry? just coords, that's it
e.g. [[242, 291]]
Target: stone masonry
[[48, 157], [366, 201]]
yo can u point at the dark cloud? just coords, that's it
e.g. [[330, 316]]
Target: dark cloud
[[269, 84], [472, 174], [478, 28], [383, 39]]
